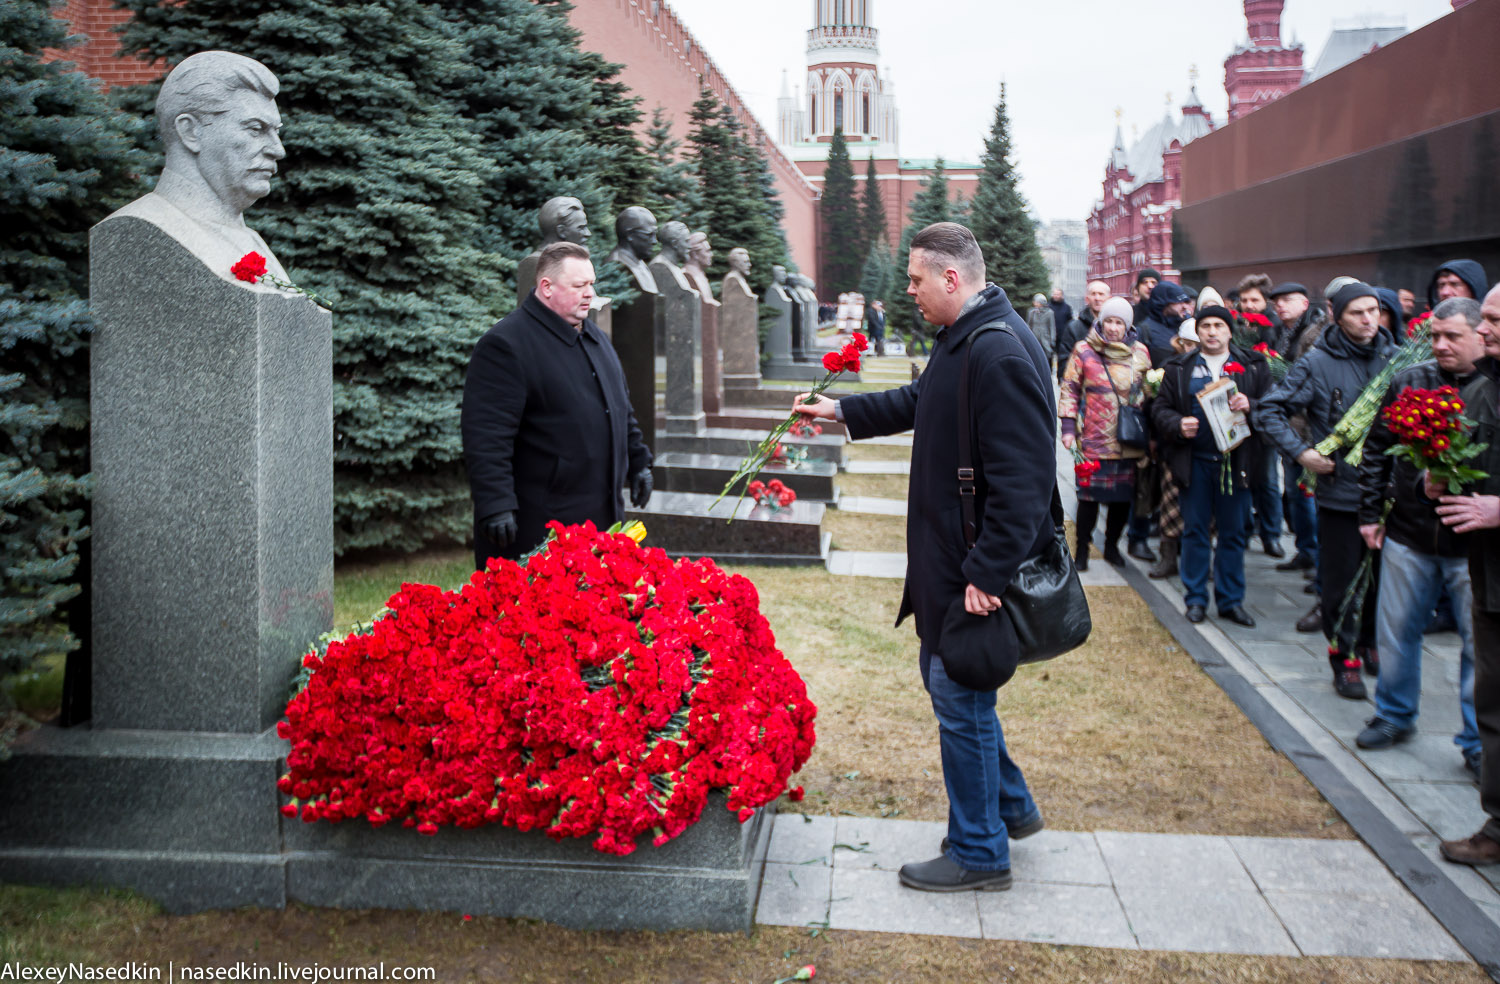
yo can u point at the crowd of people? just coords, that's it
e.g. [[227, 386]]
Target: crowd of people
[[1388, 552]]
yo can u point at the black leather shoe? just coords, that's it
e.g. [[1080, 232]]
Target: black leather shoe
[[1021, 832], [1310, 588], [1196, 613], [1112, 555], [1380, 733], [1273, 548], [1140, 550], [1300, 562], [1239, 617], [943, 874], [1313, 620], [1081, 557]]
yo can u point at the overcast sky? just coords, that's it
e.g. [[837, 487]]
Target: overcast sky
[[1067, 66]]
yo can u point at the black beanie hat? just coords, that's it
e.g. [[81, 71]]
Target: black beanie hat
[[1144, 274], [1348, 293]]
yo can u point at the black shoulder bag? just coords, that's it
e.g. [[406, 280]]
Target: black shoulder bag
[[1044, 611]]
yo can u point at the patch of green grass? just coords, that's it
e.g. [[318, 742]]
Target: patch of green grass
[[362, 589], [864, 531], [37, 692], [884, 486]]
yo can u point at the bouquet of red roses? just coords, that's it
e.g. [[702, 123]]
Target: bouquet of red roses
[[1434, 434], [601, 690], [1083, 468]]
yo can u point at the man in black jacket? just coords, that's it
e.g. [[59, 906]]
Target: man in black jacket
[[1170, 305], [1013, 414], [1320, 387], [1456, 278], [1145, 282], [1187, 446], [1419, 555], [1477, 514], [547, 427]]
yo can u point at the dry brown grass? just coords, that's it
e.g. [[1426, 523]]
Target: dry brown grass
[[862, 531], [878, 452], [885, 486], [49, 927], [1126, 733]]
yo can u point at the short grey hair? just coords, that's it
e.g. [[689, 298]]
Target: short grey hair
[[202, 85], [1455, 306], [950, 244]]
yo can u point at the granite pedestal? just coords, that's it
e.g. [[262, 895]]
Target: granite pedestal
[[634, 339], [687, 524], [739, 333], [676, 471], [712, 398], [194, 823], [679, 315], [212, 455], [772, 395]]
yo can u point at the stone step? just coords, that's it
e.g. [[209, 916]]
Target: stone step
[[773, 396], [676, 471], [811, 370], [689, 524], [872, 504], [876, 467], [737, 442]]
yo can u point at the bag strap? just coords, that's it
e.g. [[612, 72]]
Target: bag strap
[[967, 487]]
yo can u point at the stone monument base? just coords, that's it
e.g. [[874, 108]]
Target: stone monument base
[[193, 821], [777, 396], [687, 524], [792, 369], [739, 441], [676, 471]]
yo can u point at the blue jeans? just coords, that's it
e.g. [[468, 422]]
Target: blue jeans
[[1203, 501], [1266, 495], [1410, 582], [1302, 511], [987, 793]]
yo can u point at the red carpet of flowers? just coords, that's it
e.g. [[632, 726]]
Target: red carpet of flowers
[[602, 691]]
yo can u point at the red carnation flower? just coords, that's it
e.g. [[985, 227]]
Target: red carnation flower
[[833, 362], [1232, 368], [249, 268], [860, 341]]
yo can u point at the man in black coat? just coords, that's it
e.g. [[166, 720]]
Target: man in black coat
[[547, 427], [1456, 278], [1013, 420]]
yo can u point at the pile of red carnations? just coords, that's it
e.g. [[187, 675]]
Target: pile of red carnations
[[773, 495], [600, 690], [1433, 434]]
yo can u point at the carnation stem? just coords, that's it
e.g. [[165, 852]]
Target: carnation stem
[[758, 457]]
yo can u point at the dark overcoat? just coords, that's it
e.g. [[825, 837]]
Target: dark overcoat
[[547, 427], [1013, 420], [1174, 401]]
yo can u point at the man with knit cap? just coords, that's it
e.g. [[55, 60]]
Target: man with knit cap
[[1320, 388], [1145, 283]]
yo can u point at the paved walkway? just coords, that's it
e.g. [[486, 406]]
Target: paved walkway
[[1107, 889]]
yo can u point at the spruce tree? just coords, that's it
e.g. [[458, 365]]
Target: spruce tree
[[844, 241], [381, 208], [573, 136], [70, 159], [673, 191], [872, 207], [878, 276], [739, 206], [929, 205], [997, 215]]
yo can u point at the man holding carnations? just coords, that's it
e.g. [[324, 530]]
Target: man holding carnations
[[1419, 555], [548, 432], [1477, 515], [1013, 413], [1213, 489], [1320, 387]]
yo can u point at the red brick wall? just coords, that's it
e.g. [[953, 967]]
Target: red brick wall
[[666, 66], [98, 53]]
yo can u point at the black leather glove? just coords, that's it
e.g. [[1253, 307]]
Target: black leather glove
[[500, 529], [640, 488]]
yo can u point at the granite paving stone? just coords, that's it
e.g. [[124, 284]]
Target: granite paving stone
[[1330, 867], [801, 838], [1450, 809], [794, 895], [1173, 862], [876, 900], [859, 563], [857, 467], [1422, 757], [1206, 920], [1059, 856], [866, 842], [1072, 915], [1392, 927]]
